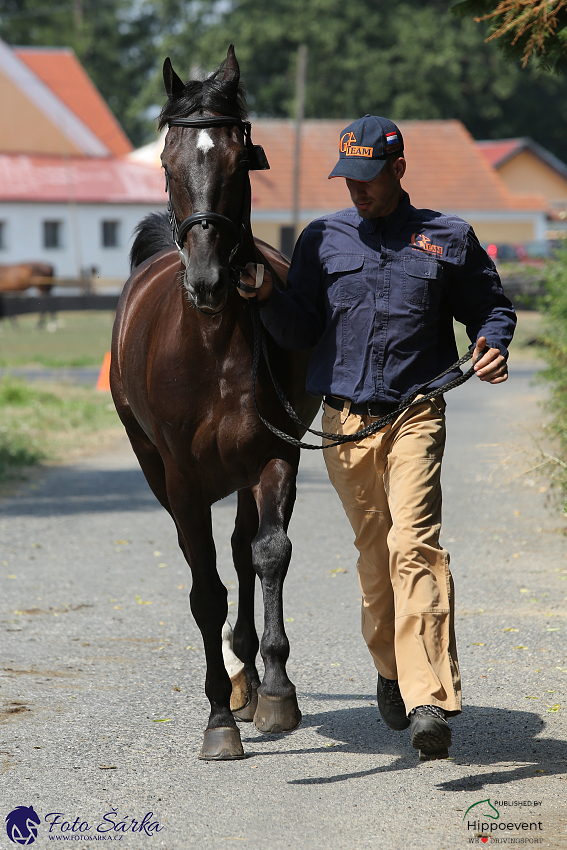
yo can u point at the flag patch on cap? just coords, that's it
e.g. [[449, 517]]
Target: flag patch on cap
[[391, 138]]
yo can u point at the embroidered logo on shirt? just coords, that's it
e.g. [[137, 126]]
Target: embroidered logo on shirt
[[348, 146], [419, 240]]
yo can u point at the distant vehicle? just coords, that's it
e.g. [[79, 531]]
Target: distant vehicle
[[524, 252]]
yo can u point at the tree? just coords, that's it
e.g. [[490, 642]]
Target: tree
[[524, 29], [407, 60]]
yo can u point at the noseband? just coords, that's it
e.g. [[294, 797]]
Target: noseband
[[256, 160]]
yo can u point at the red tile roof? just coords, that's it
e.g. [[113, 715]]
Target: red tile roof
[[446, 170], [498, 151], [79, 179], [62, 72]]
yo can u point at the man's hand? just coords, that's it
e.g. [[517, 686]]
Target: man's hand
[[492, 366], [249, 277]]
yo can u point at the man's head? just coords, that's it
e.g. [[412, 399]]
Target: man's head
[[371, 159]]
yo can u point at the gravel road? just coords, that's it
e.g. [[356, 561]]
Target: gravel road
[[102, 701]]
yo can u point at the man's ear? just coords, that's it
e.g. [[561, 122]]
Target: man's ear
[[399, 167]]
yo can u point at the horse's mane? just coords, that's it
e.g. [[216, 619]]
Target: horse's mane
[[227, 97]]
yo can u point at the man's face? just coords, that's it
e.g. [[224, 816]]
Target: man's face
[[379, 197]]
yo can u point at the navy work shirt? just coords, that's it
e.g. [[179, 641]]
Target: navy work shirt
[[376, 298]]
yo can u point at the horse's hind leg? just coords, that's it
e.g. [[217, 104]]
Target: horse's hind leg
[[277, 709], [245, 640]]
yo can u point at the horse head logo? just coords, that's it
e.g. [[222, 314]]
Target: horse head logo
[[421, 240], [21, 825]]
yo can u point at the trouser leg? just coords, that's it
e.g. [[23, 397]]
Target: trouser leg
[[428, 671], [390, 487], [356, 472]]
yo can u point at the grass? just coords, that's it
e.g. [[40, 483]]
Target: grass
[[73, 339], [51, 422]]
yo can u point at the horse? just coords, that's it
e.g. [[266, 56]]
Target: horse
[[21, 276], [181, 364]]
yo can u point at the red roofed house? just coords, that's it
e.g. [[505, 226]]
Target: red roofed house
[[525, 166], [68, 195], [446, 171]]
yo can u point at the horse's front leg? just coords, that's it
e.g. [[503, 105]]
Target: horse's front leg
[[209, 606], [277, 709]]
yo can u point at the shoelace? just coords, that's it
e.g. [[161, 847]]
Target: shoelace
[[392, 691], [432, 710]]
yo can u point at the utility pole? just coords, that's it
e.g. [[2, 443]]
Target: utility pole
[[299, 116]]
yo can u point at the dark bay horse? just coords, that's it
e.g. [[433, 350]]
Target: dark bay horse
[[181, 382]]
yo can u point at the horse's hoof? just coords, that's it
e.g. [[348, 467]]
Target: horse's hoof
[[241, 691], [277, 714], [222, 744], [248, 711]]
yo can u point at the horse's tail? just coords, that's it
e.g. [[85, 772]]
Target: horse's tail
[[153, 234]]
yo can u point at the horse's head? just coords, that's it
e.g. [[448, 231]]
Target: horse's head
[[206, 160]]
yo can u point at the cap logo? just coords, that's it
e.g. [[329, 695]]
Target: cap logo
[[348, 146]]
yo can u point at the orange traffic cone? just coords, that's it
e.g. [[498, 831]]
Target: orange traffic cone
[[103, 383]]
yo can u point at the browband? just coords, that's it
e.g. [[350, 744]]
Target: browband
[[216, 121], [257, 159]]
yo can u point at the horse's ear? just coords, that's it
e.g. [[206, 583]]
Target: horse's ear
[[173, 84], [231, 68]]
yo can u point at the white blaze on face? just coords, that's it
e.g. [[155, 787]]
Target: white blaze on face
[[204, 141]]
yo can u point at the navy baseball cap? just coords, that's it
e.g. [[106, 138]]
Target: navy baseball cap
[[364, 147]]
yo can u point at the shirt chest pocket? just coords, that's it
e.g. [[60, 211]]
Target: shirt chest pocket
[[421, 280], [344, 279]]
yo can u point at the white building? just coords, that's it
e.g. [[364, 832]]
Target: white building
[[68, 194]]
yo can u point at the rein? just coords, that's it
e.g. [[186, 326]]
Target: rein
[[411, 400]]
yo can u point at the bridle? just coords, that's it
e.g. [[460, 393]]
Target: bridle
[[256, 160]]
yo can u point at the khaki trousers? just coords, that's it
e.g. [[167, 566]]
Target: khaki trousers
[[390, 487]]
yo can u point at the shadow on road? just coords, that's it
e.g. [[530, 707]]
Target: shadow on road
[[507, 741]]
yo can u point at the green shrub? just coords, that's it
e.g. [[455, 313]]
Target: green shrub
[[554, 351]]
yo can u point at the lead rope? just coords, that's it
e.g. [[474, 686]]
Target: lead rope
[[260, 347]]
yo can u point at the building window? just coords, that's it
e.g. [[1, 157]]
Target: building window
[[52, 234], [2, 235], [110, 233]]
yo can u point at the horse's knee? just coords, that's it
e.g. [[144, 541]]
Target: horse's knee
[[271, 554]]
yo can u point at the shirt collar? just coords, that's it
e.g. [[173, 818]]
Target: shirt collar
[[394, 222]]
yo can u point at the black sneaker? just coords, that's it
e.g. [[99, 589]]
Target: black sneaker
[[430, 733], [391, 704]]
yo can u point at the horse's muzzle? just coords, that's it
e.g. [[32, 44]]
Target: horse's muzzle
[[208, 292]]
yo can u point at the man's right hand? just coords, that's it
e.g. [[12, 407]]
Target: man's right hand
[[249, 278]]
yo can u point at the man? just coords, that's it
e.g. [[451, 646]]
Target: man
[[374, 289]]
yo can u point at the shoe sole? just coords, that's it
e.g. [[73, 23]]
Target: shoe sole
[[432, 737]]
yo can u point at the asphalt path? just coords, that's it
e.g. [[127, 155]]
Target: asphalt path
[[102, 700]]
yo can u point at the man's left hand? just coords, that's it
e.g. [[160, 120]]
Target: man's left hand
[[492, 366]]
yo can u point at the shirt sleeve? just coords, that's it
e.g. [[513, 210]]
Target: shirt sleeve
[[296, 318], [478, 300]]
